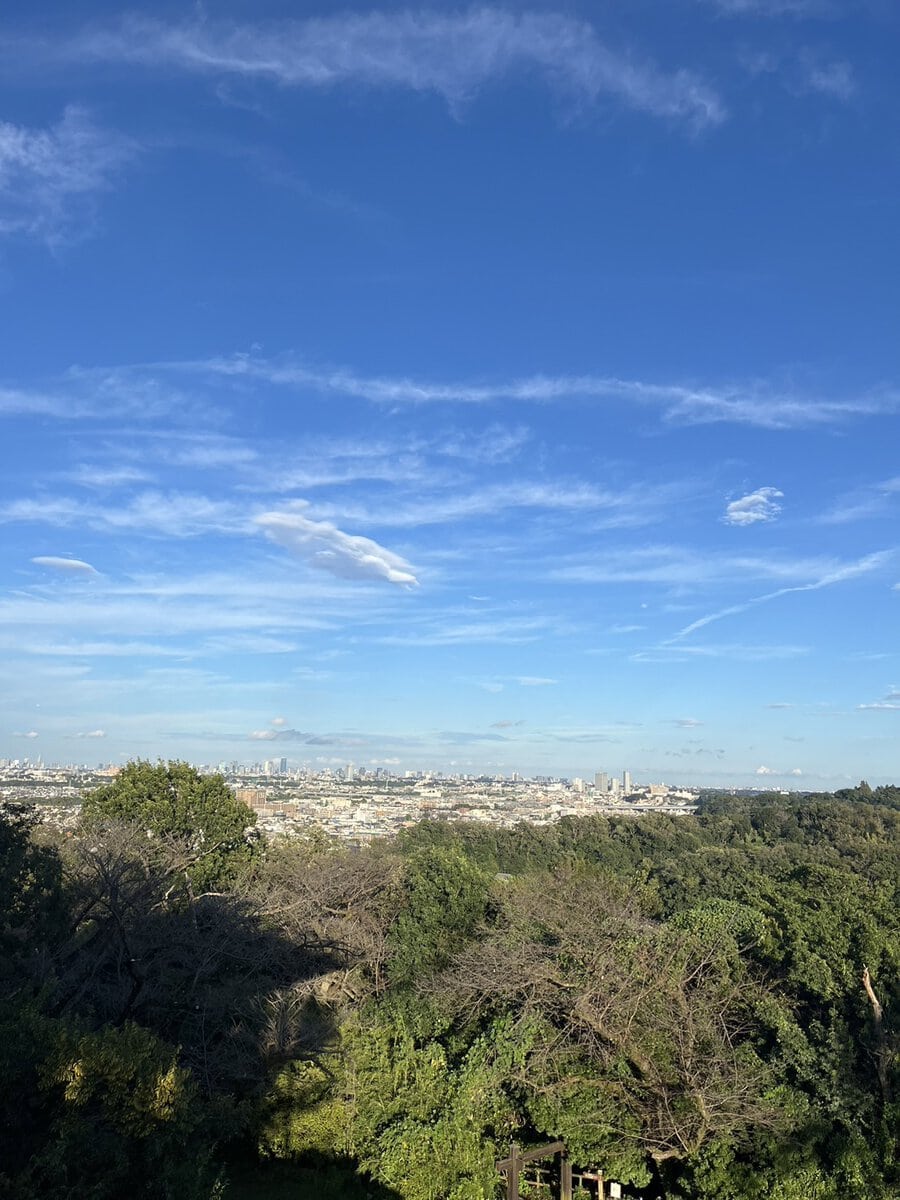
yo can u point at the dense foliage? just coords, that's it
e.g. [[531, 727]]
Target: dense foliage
[[704, 1007]]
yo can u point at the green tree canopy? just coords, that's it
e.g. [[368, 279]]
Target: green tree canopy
[[172, 800]]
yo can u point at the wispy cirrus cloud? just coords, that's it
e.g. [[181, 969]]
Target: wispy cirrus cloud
[[677, 565], [841, 574], [807, 71], [502, 631], [754, 508], [771, 8], [104, 394], [874, 500], [454, 55], [171, 514], [677, 652], [50, 179], [832, 78], [192, 389], [756, 403], [889, 702], [637, 504]]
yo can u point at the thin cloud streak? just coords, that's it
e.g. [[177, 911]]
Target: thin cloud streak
[[141, 392], [452, 55], [864, 566], [753, 404]]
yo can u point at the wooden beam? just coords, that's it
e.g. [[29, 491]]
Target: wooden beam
[[512, 1178], [565, 1176], [523, 1156]]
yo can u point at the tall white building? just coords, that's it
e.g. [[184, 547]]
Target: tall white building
[[626, 782], [601, 782]]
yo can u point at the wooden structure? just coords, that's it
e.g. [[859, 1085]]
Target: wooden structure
[[527, 1163]]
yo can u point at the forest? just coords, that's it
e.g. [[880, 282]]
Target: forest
[[701, 1007]]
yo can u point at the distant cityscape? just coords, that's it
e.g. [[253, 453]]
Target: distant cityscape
[[359, 803]]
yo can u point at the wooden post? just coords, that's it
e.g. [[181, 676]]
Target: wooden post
[[512, 1176], [565, 1176]]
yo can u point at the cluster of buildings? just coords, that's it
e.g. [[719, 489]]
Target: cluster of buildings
[[359, 804]]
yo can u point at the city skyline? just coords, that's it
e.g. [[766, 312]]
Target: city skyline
[[491, 389]]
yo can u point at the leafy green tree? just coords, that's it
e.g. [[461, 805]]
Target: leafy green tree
[[446, 895], [101, 1114], [172, 801]]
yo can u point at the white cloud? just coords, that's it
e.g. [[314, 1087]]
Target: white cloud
[[32, 733], [94, 733], [173, 514], [888, 703], [687, 723], [102, 477], [840, 574], [679, 653], [535, 681], [454, 55], [756, 404], [766, 771], [510, 631], [328, 548], [874, 500], [761, 505], [770, 8], [69, 566], [635, 505], [828, 78], [278, 722], [50, 178], [676, 565]]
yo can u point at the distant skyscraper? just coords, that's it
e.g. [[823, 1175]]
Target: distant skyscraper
[[348, 771], [282, 766], [601, 782], [626, 782]]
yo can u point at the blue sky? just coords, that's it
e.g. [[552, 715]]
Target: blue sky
[[475, 388]]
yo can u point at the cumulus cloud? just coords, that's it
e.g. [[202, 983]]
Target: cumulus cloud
[[453, 54], [766, 771], [69, 566], [278, 722], [50, 178], [761, 505], [32, 733], [328, 548]]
